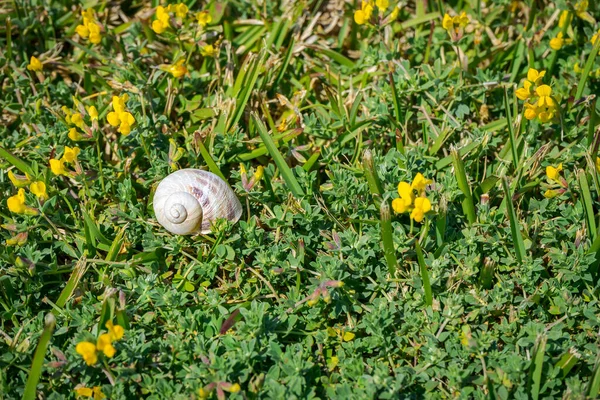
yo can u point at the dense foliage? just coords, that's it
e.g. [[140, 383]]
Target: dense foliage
[[419, 182]]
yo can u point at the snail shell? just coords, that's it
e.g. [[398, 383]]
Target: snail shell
[[189, 200]]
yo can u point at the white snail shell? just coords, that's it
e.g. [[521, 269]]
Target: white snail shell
[[189, 200]]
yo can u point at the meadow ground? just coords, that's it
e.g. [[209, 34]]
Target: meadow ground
[[419, 185]]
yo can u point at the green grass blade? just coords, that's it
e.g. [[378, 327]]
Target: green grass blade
[[586, 197], [514, 223], [424, 275], [586, 70], [511, 131], [67, 292], [16, 162], [372, 177], [463, 184], [38, 358], [594, 385], [535, 377], [387, 238], [286, 172], [212, 165]]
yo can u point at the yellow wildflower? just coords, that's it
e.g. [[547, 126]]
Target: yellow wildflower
[[258, 174], [89, 28], [598, 164], [180, 10], [363, 15], [77, 120], [177, 70], [546, 113], [558, 42], [18, 240], [104, 345], [88, 352], [455, 25], [420, 182], [58, 167], [96, 392], [208, 50], [550, 193], [544, 92], [39, 189], [582, 12], [531, 111], [382, 4], [74, 135], [525, 92], [422, 206], [534, 76], [204, 18], [553, 174], [565, 19], [71, 154], [162, 20], [594, 38], [19, 180], [35, 64], [402, 204], [16, 203], [116, 331], [233, 388], [92, 112], [120, 117]]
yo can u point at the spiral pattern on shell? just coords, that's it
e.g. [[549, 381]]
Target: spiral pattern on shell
[[188, 201]]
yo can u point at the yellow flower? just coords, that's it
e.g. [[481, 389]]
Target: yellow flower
[[35, 64], [598, 164], [178, 69], [180, 9], [553, 174], [92, 112], [534, 76], [96, 392], [74, 135], [39, 189], [546, 113], [550, 193], [382, 4], [71, 154], [594, 38], [19, 180], [558, 42], [95, 36], [402, 204], [233, 388], [162, 20], [420, 182], [461, 20], [544, 91], [89, 28], [422, 206], [581, 11], [104, 345], [204, 18], [258, 174], [208, 50], [77, 120], [447, 23], [525, 92], [18, 240], [363, 15], [88, 352], [119, 117], [116, 331], [16, 203], [58, 167], [565, 19], [531, 111]]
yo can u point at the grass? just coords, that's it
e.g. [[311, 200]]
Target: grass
[[349, 274]]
